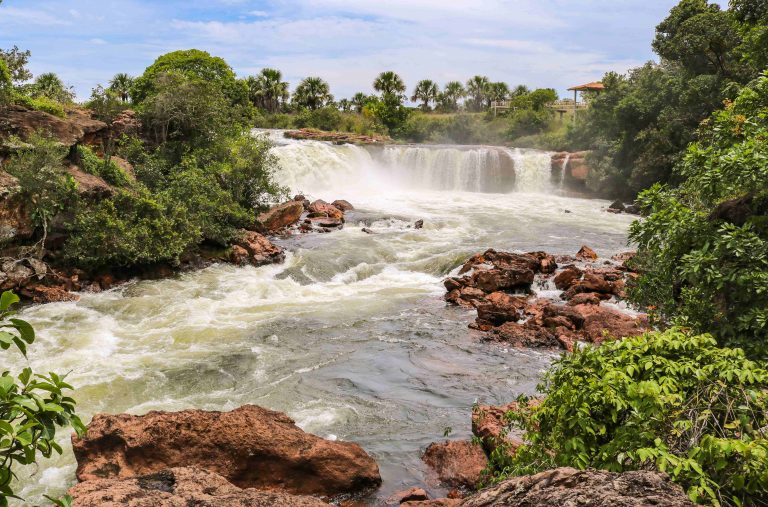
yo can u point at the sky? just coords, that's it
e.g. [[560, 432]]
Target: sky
[[539, 43]]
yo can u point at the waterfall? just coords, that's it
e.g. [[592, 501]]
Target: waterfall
[[564, 168], [320, 168]]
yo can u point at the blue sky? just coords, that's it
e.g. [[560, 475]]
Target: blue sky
[[552, 43]]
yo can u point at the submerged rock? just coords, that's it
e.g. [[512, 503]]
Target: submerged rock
[[180, 487], [411, 495], [568, 486], [250, 447], [255, 249], [458, 463]]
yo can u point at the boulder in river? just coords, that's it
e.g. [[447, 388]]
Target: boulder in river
[[458, 463], [585, 488], [180, 487], [343, 205], [280, 216], [251, 447], [586, 254], [255, 249], [322, 208]]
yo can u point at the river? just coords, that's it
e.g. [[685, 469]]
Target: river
[[350, 335]]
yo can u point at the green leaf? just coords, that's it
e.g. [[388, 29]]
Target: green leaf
[[7, 299], [25, 329]]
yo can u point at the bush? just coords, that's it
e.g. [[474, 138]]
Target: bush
[[325, 118], [40, 104], [107, 169], [528, 122], [32, 406], [669, 401], [703, 250], [6, 85]]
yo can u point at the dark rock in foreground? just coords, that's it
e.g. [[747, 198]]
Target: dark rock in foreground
[[251, 447], [458, 463], [180, 487], [568, 486]]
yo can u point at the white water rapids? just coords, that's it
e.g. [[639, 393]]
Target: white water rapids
[[350, 336]]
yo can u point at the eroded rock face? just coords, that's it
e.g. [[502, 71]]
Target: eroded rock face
[[78, 127], [458, 463], [568, 486], [251, 447], [255, 249], [89, 185], [15, 222], [280, 216], [180, 487]]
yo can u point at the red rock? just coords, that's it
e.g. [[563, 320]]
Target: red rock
[[509, 278], [547, 262], [440, 502], [89, 185], [601, 323], [623, 257], [457, 463], [329, 210], [77, 127], [280, 216], [590, 282], [586, 254], [586, 298], [125, 123], [180, 487], [39, 293], [587, 488], [411, 495], [343, 205], [500, 307], [250, 447], [489, 425], [523, 335], [328, 222], [567, 277], [260, 250]]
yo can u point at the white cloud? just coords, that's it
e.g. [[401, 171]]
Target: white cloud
[[29, 16], [258, 14]]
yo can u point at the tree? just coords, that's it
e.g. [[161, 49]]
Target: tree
[[50, 86], [452, 93], [700, 37], [540, 97], [477, 91], [345, 105], [195, 65], [703, 248], [32, 406], [312, 93], [752, 16], [389, 84], [359, 100], [6, 85], [121, 84], [498, 92], [520, 90], [17, 64], [44, 185], [268, 90], [426, 91]]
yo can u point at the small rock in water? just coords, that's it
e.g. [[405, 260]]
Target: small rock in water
[[367, 230], [419, 224], [567, 211], [616, 205]]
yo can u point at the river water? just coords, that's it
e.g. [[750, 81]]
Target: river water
[[350, 335]]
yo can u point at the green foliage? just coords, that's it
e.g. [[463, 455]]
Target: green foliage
[[312, 93], [526, 122], [267, 90], [17, 60], [40, 104], [325, 118], [32, 406], [195, 66], [670, 401], [391, 86], [38, 165], [703, 250], [426, 92], [6, 85], [49, 86], [107, 169], [105, 103], [121, 85]]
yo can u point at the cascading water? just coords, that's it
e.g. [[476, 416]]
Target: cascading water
[[350, 336]]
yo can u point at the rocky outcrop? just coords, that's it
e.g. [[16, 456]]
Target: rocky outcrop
[[321, 209], [77, 127], [125, 123], [457, 463], [413, 494], [568, 486], [89, 185], [498, 285], [342, 205], [251, 447], [280, 216], [254, 249], [489, 425], [180, 487], [15, 222], [573, 167], [336, 137]]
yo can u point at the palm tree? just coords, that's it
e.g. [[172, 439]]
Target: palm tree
[[49, 85], [121, 85], [477, 90], [268, 90], [453, 92], [345, 105], [312, 93], [389, 84], [358, 101], [497, 92], [426, 91], [520, 90]]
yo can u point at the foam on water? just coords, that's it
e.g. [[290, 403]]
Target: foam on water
[[350, 335]]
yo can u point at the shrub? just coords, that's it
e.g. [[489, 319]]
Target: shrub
[[40, 104], [6, 85], [669, 401], [32, 406], [107, 169], [324, 118]]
